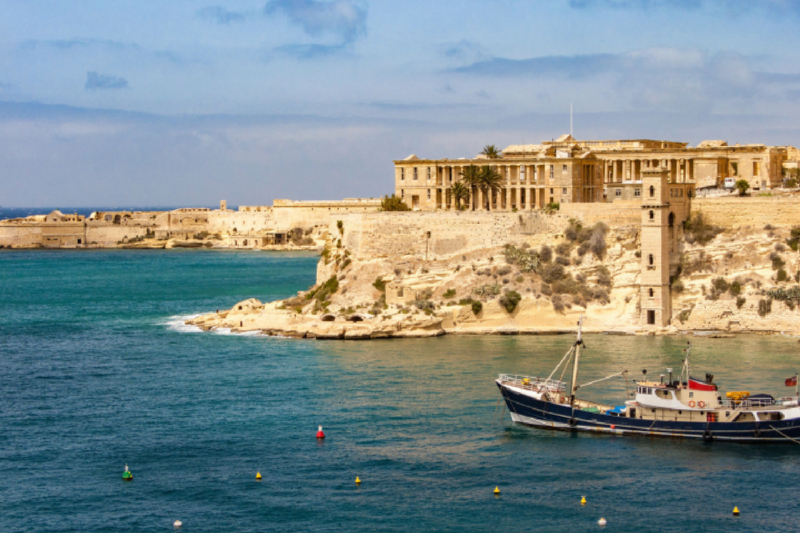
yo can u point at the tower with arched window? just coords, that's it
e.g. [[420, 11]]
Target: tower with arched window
[[655, 300]]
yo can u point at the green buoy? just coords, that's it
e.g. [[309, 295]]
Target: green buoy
[[127, 476]]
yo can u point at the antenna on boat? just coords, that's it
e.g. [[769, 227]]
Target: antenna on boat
[[578, 344], [688, 350]]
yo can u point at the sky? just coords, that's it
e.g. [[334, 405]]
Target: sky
[[187, 102]]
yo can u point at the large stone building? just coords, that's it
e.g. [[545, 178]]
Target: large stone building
[[566, 170]]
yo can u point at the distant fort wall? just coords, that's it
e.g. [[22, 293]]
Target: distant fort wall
[[249, 227]]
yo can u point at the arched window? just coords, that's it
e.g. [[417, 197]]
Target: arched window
[[652, 259], [652, 191], [652, 293], [652, 215], [671, 220]]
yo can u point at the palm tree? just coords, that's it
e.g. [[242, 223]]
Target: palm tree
[[491, 182], [491, 152], [472, 179], [459, 192]]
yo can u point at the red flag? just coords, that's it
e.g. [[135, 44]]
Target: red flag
[[791, 382]]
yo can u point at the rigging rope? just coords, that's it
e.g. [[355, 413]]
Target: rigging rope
[[784, 434]]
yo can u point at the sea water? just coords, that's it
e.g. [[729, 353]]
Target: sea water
[[97, 370]]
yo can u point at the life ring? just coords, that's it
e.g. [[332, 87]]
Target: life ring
[[707, 435], [701, 404], [691, 403], [572, 422]]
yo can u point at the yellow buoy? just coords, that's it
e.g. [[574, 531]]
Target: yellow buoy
[[358, 481], [583, 500], [497, 491], [258, 475], [735, 511]]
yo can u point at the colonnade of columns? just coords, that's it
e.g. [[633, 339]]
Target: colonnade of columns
[[525, 187], [630, 170]]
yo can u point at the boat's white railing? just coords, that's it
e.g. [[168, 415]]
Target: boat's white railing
[[749, 404], [533, 383]]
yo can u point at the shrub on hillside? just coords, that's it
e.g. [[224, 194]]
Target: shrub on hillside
[[509, 300], [698, 231]]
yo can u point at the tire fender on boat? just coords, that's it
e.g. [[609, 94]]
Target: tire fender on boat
[[707, 435], [757, 431], [572, 422]]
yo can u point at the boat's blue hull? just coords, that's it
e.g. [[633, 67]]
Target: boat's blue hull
[[537, 413]]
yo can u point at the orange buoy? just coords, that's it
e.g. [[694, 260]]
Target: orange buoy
[[320, 434]]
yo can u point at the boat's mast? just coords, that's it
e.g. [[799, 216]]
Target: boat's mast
[[686, 363], [574, 383]]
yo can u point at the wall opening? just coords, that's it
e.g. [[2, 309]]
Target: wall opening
[[651, 318], [651, 259]]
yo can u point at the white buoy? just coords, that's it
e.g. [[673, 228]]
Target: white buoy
[[602, 522], [177, 523]]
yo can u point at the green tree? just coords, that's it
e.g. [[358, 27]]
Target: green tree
[[393, 203], [491, 152], [459, 191], [471, 176], [742, 185], [491, 182]]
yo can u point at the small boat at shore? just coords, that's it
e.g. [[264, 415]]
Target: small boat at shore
[[684, 407]]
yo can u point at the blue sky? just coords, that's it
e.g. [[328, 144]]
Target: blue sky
[[186, 102]]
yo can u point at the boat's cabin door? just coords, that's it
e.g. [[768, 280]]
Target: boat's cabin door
[[632, 412]]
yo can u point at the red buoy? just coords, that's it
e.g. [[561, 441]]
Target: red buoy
[[613, 426], [320, 434]]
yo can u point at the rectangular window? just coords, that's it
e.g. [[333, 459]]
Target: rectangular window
[[429, 194], [402, 193], [637, 192], [551, 191], [551, 171], [617, 192], [402, 174], [564, 191], [415, 173], [564, 169], [522, 173], [429, 173]]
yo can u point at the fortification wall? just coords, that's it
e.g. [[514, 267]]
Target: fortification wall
[[613, 214], [755, 211], [109, 236], [375, 235]]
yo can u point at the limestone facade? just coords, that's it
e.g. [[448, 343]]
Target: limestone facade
[[568, 171]]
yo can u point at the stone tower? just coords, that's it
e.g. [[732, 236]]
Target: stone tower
[[655, 300], [223, 205]]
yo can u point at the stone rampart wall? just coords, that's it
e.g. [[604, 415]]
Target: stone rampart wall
[[755, 211], [406, 234], [613, 214]]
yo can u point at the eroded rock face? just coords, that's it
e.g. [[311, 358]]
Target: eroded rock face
[[406, 296]]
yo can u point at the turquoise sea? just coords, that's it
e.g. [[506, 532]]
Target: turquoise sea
[[96, 371]]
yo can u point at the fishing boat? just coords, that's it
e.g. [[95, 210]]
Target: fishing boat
[[684, 407]]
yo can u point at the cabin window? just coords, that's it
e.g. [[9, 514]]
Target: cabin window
[[680, 412], [691, 395], [653, 410]]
